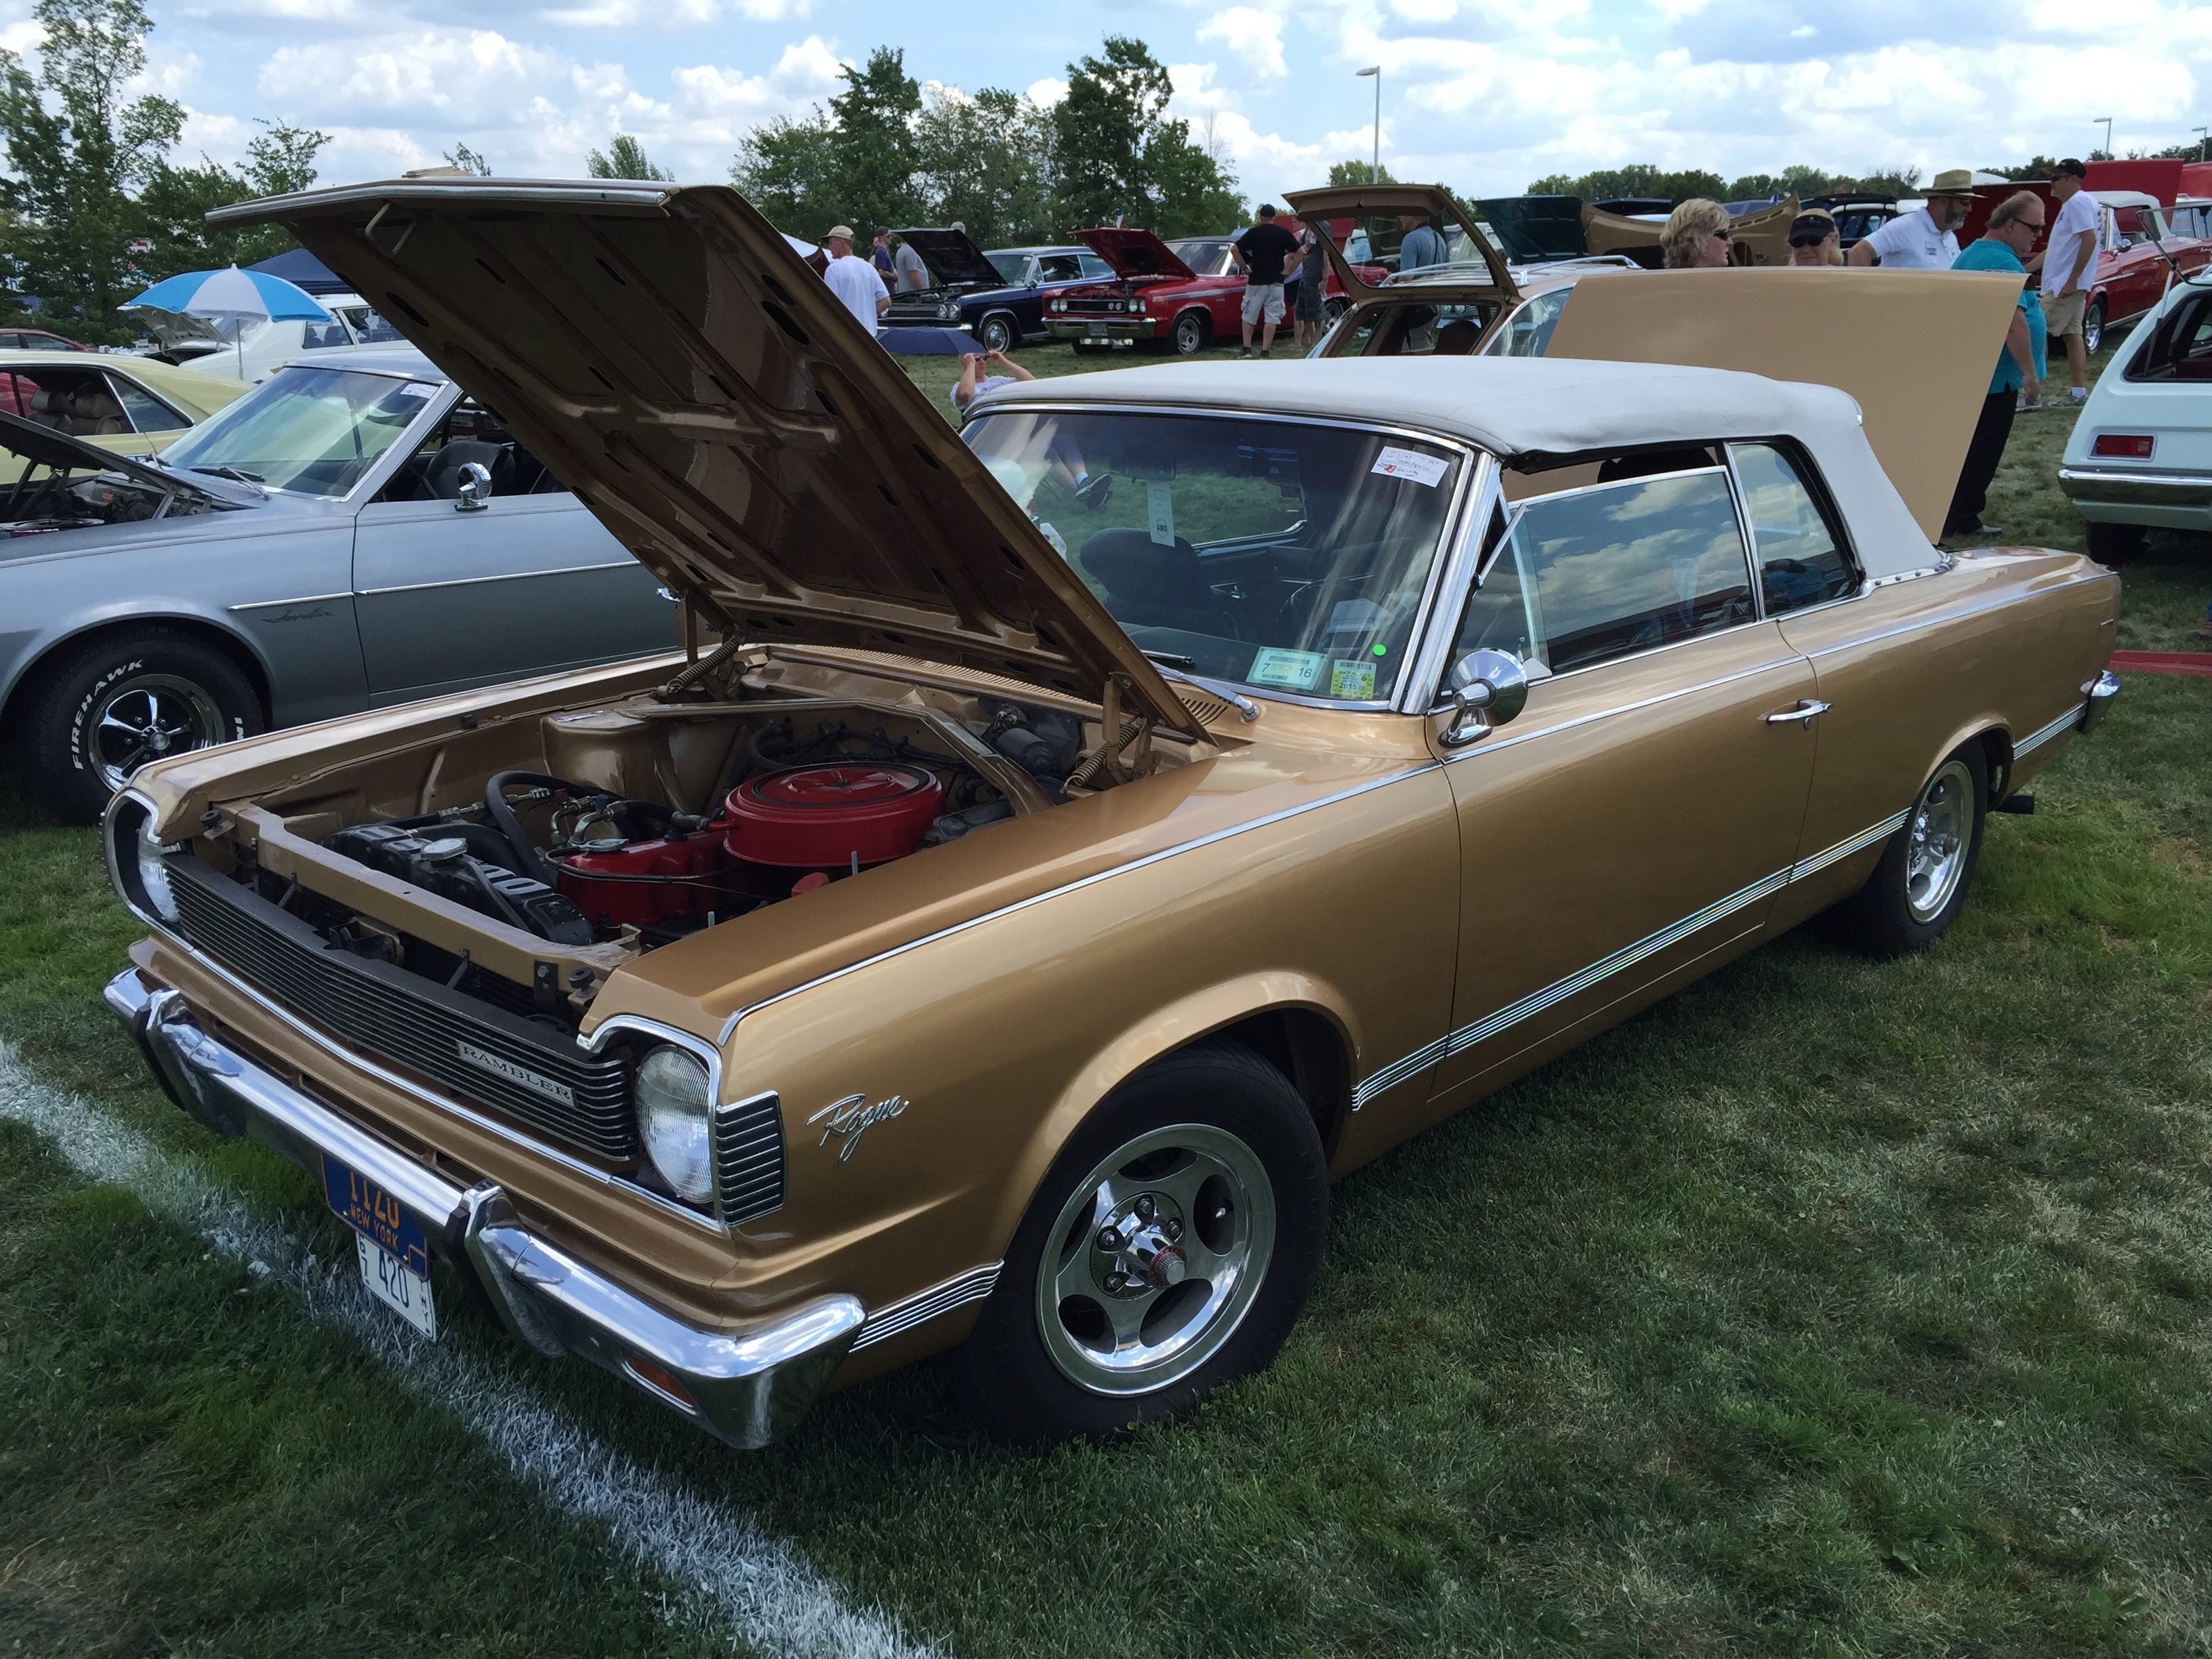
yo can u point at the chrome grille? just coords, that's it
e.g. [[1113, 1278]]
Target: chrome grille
[[381, 1009], [749, 1157]]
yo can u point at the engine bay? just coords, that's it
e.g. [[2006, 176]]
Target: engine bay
[[42, 501]]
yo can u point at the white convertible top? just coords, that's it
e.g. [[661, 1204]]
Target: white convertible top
[[1516, 406]]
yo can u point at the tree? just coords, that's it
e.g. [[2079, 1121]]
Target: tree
[[623, 158], [75, 149], [1639, 180], [876, 153], [1358, 173], [787, 168], [468, 161], [176, 201], [1117, 154], [987, 163]]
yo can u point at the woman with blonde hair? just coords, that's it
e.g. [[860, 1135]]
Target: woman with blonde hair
[[1697, 235]]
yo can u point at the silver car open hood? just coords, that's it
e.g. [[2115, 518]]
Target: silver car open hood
[[666, 355]]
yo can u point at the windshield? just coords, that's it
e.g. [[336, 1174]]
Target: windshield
[[1012, 268], [314, 430], [1282, 557], [1206, 255]]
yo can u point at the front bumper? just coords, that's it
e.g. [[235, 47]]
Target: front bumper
[[746, 1387], [2097, 702], [1116, 331]]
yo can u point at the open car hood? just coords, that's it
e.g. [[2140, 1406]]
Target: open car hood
[[666, 355], [951, 258], [1915, 348], [1136, 252], [58, 452], [172, 328], [1317, 207], [1539, 229]]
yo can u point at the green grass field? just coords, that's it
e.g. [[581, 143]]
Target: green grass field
[[1830, 1308]]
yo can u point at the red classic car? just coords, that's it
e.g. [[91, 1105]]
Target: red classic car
[[2140, 248], [1181, 294]]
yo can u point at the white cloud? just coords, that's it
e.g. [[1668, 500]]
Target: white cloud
[[1256, 37], [1427, 11], [1048, 91]]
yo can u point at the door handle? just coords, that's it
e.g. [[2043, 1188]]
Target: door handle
[[1804, 711]]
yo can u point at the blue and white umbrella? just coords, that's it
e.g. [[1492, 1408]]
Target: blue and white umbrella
[[233, 296]]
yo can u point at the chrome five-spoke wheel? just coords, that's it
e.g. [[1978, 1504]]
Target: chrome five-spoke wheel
[[145, 717], [1160, 1250], [1938, 833]]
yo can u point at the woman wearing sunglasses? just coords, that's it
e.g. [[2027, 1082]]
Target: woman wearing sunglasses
[[1697, 235]]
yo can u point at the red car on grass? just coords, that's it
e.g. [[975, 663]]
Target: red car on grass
[[1179, 295], [2139, 250]]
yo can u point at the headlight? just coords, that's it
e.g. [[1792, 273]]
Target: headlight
[[948, 311], [673, 1113], [154, 873]]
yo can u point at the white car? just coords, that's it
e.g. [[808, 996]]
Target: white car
[[2140, 455], [265, 347]]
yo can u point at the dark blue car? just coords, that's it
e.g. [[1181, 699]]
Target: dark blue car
[[999, 296]]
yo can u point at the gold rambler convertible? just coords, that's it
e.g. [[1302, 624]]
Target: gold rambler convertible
[[1052, 858]]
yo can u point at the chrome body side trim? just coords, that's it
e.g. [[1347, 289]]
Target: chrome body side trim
[[897, 1318], [1917, 625], [730, 1026], [508, 576], [278, 605], [1536, 1002], [746, 1387], [2043, 734], [1496, 742]]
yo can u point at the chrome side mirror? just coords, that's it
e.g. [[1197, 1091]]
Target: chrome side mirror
[[475, 493], [1487, 688]]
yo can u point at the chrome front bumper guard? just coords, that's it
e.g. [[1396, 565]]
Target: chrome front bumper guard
[[746, 1388], [2097, 700]]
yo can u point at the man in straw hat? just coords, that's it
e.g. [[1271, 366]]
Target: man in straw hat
[[1926, 238], [854, 280]]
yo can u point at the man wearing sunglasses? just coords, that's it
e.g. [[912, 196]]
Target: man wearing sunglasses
[[2015, 224], [1925, 238]]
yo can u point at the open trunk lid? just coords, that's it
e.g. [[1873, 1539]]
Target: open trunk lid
[[1136, 252], [666, 353], [1317, 208]]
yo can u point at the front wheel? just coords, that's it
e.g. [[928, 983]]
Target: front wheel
[[2093, 328], [118, 700], [998, 333], [1919, 887], [1333, 307], [1169, 1251], [1190, 333]]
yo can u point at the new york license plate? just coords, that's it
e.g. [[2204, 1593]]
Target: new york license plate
[[395, 1257]]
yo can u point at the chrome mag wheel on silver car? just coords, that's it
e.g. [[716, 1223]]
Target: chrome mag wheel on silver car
[[1937, 835], [1162, 1247], [1168, 1251], [144, 717]]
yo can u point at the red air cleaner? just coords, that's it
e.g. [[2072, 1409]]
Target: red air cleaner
[[641, 881], [825, 818]]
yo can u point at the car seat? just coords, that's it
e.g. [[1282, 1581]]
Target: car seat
[[1156, 583], [96, 412], [443, 476]]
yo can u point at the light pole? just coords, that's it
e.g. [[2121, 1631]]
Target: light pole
[[2203, 142], [1376, 69], [2107, 120]]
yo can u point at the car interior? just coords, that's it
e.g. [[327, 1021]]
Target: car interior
[[1406, 329], [84, 403], [469, 434], [2179, 348]]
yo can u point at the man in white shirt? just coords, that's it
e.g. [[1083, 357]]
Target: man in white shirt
[[1926, 238], [2070, 265], [853, 281]]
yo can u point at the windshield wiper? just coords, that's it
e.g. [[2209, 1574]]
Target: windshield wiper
[[238, 475], [1164, 661]]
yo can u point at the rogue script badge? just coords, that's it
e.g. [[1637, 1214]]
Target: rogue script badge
[[851, 1117]]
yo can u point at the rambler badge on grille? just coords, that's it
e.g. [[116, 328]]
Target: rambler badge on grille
[[521, 1075]]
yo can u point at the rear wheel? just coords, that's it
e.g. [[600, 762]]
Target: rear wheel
[[1169, 1250], [1919, 887], [1333, 307], [117, 700], [2093, 327], [998, 333], [1191, 333], [2111, 544]]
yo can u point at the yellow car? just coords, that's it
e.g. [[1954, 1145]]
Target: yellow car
[[132, 405]]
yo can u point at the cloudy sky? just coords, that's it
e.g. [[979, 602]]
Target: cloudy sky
[[1483, 93]]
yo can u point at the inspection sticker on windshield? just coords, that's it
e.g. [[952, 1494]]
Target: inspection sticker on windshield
[[416, 389], [1294, 670], [1351, 679], [1395, 463]]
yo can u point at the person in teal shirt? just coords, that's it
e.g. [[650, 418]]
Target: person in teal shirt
[[2013, 226]]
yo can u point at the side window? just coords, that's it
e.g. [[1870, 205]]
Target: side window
[[2178, 348], [1801, 558], [1061, 268], [1595, 574], [72, 401], [148, 413], [1527, 331], [468, 432]]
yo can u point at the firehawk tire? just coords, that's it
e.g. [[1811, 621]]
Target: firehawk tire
[[1169, 1251], [115, 701], [1919, 887]]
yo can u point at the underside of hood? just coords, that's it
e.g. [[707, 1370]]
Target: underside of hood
[[951, 258], [60, 453], [668, 356], [1136, 252]]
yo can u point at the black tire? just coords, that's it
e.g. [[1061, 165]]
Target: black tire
[[194, 695], [998, 332], [1190, 334], [1216, 1095], [2114, 544], [2093, 327], [1898, 911], [1333, 307]]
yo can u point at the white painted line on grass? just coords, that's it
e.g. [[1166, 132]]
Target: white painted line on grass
[[757, 1586]]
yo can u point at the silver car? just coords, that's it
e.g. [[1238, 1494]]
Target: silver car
[[350, 533]]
